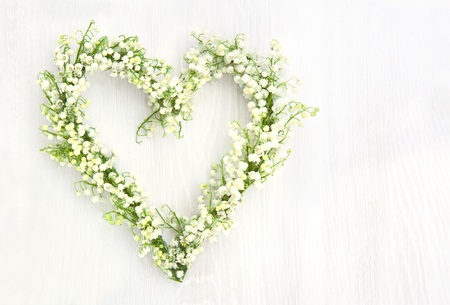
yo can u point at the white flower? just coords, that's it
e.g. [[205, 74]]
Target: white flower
[[254, 176], [272, 88], [245, 78], [253, 158], [243, 165], [237, 145], [180, 274], [222, 191]]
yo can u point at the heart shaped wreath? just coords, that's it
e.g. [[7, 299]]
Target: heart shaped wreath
[[256, 147]]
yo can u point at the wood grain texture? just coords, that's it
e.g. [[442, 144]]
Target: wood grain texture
[[359, 215]]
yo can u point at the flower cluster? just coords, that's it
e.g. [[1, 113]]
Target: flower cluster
[[256, 149]]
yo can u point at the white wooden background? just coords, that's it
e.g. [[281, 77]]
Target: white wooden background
[[360, 214]]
